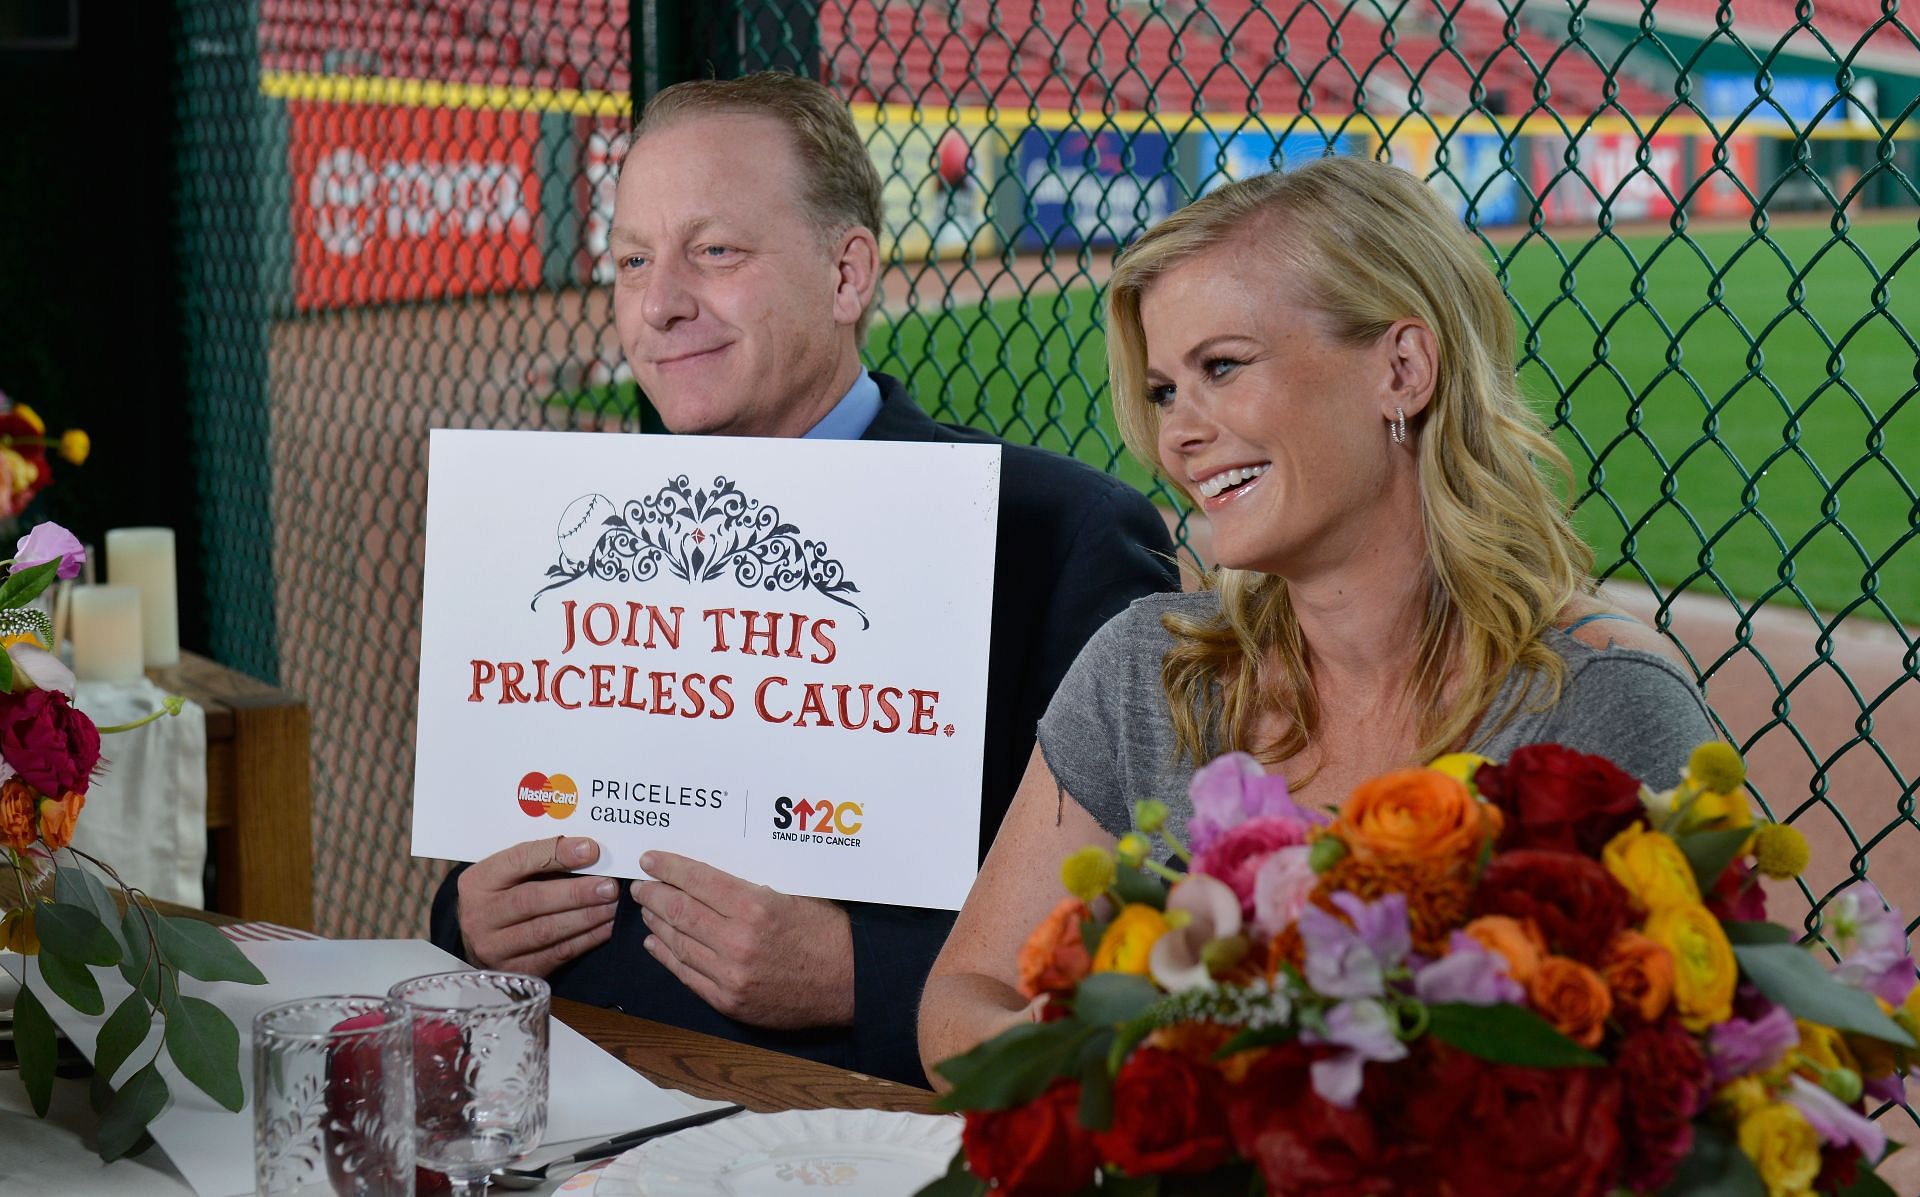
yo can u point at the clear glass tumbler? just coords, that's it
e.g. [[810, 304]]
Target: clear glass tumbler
[[333, 1098], [480, 1071]]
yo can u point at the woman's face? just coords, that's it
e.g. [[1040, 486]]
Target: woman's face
[[1272, 426]]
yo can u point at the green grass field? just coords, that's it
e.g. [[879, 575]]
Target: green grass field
[[1717, 444]]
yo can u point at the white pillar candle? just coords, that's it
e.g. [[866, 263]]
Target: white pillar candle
[[106, 634], [143, 558]]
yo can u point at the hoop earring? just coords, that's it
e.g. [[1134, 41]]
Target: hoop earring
[[1397, 427]]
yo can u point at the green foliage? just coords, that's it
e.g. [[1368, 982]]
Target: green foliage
[[22, 588], [1791, 977], [1015, 1066], [1141, 887], [34, 1043], [958, 1182], [206, 1048], [70, 981], [1739, 932], [74, 933], [121, 1035], [78, 887], [1710, 852], [1715, 1168], [1112, 998], [1867, 1183], [134, 1105], [1506, 1035], [199, 950]]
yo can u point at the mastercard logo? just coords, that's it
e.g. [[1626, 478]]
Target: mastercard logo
[[543, 795]]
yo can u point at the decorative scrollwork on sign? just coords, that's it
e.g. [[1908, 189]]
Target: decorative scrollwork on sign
[[696, 534]]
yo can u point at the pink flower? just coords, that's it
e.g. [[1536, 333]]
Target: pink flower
[[50, 542], [1233, 788], [1235, 856], [1177, 960], [1281, 888]]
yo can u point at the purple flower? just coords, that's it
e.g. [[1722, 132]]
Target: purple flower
[[1872, 941], [1352, 962], [50, 542], [1281, 888], [1837, 1123], [1231, 789], [1891, 1087], [1468, 973], [1366, 1031], [1741, 1047]]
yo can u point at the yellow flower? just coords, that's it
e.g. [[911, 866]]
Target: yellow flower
[[1742, 1097], [1132, 849], [75, 445], [1784, 1149], [1704, 970], [16, 472], [31, 417], [1129, 940], [1461, 766], [17, 934], [1716, 766], [1823, 1047], [1652, 868], [1716, 811], [1088, 873], [1780, 851]]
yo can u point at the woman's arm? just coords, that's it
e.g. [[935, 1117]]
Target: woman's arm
[[972, 994]]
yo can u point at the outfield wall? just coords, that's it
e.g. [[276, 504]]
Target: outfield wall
[[403, 191]]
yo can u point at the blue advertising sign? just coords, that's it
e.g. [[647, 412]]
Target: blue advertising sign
[[1102, 188], [1226, 157], [1726, 94]]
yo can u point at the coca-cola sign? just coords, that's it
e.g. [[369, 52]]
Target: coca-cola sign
[[405, 203]]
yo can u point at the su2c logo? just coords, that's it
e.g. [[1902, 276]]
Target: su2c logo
[[543, 795], [831, 818]]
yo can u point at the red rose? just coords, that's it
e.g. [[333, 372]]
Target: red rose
[[1576, 903], [1529, 1130], [1034, 1150], [1554, 797], [1168, 1117], [50, 744], [1737, 896], [1839, 1169], [1667, 1081]]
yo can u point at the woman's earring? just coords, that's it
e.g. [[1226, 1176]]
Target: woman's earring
[[1398, 428]]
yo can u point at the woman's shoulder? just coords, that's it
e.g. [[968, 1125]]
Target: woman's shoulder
[[1140, 628]]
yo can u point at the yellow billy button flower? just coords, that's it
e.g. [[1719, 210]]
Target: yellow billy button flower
[[1652, 868], [1150, 816], [1461, 766], [1129, 940], [1132, 849], [1716, 766], [1784, 1148], [1088, 873], [1780, 851], [1704, 970], [75, 445]]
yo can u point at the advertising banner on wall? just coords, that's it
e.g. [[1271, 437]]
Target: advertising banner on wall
[[1606, 170], [936, 184], [1469, 174], [722, 647], [398, 203], [1102, 188], [1222, 158]]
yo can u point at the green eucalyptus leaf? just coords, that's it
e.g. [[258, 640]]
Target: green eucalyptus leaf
[[958, 1182], [121, 1035], [1716, 1167], [1741, 932], [75, 885], [1710, 852], [1096, 1082], [6, 672], [1137, 886], [74, 932], [34, 1042], [1506, 1035], [1113, 998], [99, 1093], [1019, 1069], [70, 981], [141, 965], [25, 586], [1789, 976], [1091, 933], [205, 1046], [1867, 1183], [199, 950], [134, 1105]]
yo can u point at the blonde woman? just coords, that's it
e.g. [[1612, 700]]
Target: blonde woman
[[1323, 361]]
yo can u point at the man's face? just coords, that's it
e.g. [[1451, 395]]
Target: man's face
[[733, 309]]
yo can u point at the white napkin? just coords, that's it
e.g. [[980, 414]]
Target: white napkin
[[146, 815]]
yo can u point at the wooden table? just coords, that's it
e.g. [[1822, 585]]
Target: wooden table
[[259, 791]]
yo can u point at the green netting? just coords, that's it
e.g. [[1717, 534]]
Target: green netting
[[394, 215]]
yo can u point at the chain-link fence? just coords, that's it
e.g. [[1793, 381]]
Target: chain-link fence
[[394, 218]]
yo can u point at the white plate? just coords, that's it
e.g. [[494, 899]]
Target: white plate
[[760, 1155]]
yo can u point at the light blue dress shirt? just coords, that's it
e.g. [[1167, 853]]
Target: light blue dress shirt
[[849, 419]]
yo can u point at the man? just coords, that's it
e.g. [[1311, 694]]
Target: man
[[744, 245]]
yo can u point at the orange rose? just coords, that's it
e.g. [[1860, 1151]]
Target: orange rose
[[19, 806], [1518, 940], [1639, 972], [1419, 813], [1573, 998], [1200, 1041], [1055, 957], [57, 818]]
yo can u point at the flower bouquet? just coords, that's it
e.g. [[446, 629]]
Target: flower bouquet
[[1471, 979], [63, 916]]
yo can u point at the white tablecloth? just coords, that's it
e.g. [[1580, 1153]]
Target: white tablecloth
[[146, 813]]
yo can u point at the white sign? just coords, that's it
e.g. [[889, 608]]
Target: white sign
[[769, 655]]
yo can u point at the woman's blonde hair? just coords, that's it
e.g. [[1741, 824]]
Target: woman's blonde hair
[[1368, 244]]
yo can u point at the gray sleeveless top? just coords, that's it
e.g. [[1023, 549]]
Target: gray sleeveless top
[[1109, 741]]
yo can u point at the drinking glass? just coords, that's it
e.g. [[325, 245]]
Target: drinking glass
[[333, 1098], [480, 1071]]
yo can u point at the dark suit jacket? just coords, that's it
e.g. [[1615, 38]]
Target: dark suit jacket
[[1074, 547]]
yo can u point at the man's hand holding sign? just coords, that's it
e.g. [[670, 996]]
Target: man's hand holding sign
[[521, 910]]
